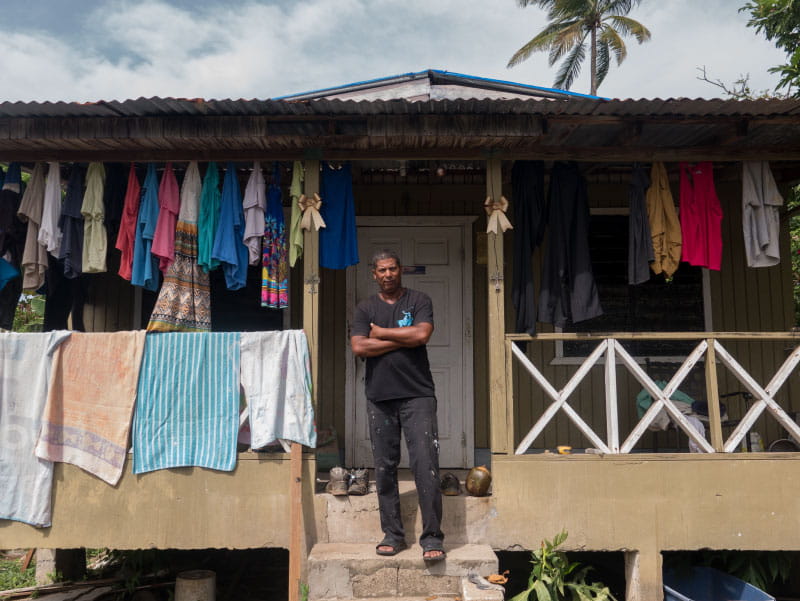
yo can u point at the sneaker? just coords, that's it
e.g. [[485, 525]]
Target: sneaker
[[359, 482], [337, 484], [450, 485]]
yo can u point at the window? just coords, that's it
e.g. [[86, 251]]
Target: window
[[655, 306]]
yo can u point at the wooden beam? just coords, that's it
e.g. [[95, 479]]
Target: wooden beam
[[495, 286], [712, 398], [295, 521]]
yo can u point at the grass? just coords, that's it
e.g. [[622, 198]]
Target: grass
[[12, 576]]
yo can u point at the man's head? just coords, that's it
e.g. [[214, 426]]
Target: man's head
[[387, 271]]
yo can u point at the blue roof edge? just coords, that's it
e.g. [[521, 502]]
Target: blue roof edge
[[420, 74]]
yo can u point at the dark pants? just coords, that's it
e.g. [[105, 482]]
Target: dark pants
[[416, 417]]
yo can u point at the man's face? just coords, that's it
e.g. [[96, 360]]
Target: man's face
[[388, 275]]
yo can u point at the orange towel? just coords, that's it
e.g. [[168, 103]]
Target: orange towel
[[90, 402]]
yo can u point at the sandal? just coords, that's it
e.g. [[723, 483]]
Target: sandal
[[433, 558], [394, 547]]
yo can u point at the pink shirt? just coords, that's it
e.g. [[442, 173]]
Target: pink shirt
[[170, 202], [701, 216], [127, 225]]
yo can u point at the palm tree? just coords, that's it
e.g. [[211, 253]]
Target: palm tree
[[604, 22]]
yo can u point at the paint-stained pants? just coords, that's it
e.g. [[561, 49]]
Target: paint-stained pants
[[416, 417]]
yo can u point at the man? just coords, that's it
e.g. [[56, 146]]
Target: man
[[390, 329]]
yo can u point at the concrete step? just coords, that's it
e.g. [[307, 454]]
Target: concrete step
[[353, 571], [354, 519]]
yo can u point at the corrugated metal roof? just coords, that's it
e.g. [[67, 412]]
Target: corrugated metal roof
[[166, 107]]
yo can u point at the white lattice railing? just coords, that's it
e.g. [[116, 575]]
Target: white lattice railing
[[609, 348]]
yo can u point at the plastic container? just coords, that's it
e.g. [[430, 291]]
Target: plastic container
[[708, 584]]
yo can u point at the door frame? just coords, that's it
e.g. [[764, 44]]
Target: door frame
[[467, 333]]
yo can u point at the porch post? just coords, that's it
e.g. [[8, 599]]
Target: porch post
[[643, 579], [498, 386], [297, 545]]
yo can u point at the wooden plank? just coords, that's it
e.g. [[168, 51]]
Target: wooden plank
[[774, 336], [612, 411], [311, 280], [296, 521], [495, 287], [712, 397], [27, 560]]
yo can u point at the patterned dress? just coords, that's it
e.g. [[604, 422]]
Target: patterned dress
[[275, 270], [184, 302]]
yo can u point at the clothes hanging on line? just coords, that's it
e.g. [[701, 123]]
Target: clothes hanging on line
[[95, 237], [209, 218], [665, 228], [275, 267], [34, 256], [529, 204], [184, 301], [49, 233], [701, 216], [126, 238], [229, 248], [338, 241], [569, 292], [254, 205], [295, 231], [144, 271], [761, 203], [71, 223], [114, 198], [640, 241], [12, 241], [169, 203]]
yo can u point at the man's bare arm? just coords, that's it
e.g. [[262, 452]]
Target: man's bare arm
[[406, 336], [364, 346]]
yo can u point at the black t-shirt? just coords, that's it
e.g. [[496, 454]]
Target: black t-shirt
[[404, 372]]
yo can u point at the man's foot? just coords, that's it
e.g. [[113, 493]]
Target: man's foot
[[433, 555], [388, 547]]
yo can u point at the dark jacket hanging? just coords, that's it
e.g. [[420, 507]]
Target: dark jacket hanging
[[640, 241], [569, 292], [530, 212]]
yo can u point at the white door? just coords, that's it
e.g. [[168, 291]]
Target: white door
[[433, 258]]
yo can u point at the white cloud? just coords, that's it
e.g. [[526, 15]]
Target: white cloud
[[263, 49]]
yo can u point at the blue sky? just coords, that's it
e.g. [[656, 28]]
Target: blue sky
[[84, 50]]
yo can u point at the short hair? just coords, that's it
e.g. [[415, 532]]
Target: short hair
[[381, 255]]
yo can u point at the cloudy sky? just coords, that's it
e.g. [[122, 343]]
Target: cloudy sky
[[84, 50]]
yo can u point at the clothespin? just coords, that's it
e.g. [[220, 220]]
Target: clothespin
[[310, 208]]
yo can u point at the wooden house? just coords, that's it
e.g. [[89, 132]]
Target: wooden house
[[426, 150]]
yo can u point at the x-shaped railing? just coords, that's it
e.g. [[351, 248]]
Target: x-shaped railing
[[611, 350]]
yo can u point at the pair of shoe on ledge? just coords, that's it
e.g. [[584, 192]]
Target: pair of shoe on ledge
[[388, 547], [343, 482]]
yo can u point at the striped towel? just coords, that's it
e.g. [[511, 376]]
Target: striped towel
[[276, 379], [188, 404], [87, 418], [25, 480]]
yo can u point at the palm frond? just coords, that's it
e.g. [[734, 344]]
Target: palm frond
[[603, 61], [613, 41], [618, 7], [572, 9], [539, 3], [628, 26], [543, 41], [566, 39], [570, 68]]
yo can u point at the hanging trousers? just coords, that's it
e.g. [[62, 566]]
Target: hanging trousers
[[416, 417]]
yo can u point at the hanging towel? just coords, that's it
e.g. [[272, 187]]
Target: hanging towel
[[255, 201], [701, 216], [144, 271], [25, 480], [761, 203], [640, 241], [276, 378], [114, 198], [95, 237], [71, 224], [170, 203], [127, 227], [295, 231], [229, 248], [530, 211], [87, 418], [209, 218], [49, 232], [187, 410], [275, 269], [338, 243], [665, 229], [34, 257], [569, 292], [184, 301]]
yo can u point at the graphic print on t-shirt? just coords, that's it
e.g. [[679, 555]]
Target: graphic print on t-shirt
[[407, 320]]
